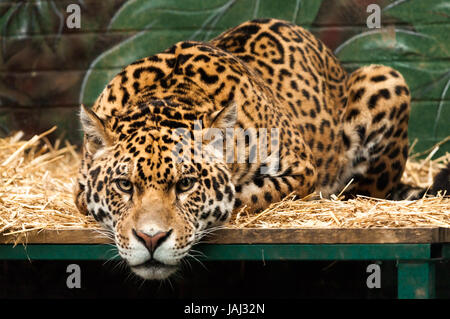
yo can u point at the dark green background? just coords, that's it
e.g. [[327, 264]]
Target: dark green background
[[47, 70]]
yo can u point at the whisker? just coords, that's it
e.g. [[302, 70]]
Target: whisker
[[202, 254], [197, 260], [109, 260], [143, 281], [186, 262]]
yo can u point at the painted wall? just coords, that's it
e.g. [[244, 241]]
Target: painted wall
[[47, 69]]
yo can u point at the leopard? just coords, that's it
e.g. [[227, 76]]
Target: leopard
[[334, 131]]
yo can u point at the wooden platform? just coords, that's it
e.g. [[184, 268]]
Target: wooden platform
[[415, 250], [429, 235]]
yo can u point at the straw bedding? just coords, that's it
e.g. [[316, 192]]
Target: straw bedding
[[36, 185], [36, 193]]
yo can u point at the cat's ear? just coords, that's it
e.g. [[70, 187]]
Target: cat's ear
[[95, 130], [225, 117]]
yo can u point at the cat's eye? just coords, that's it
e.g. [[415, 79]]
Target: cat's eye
[[124, 185], [185, 184]]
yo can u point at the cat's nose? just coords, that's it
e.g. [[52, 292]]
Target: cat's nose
[[151, 242]]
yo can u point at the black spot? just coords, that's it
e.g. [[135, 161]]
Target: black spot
[[374, 98], [294, 86], [377, 169], [358, 94], [397, 166], [208, 79], [311, 127], [378, 78], [99, 186], [293, 109], [100, 215], [405, 151], [319, 146], [94, 174], [205, 215], [398, 132], [373, 101], [182, 58], [275, 183], [305, 94], [202, 57], [308, 171], [317, 103], [258, 181], [389, 132], [353, 113], [346, 140], [361, 130], [233, 78], [268, 196], [266, 66], [158, 72], [323, 124], [383, 181], [394, 74], [378, 117], [319, 162], [186, 45], [394, 153], [173, 124], [215, 184], [384, 93], [286, 181], [111, 97], [403, 107]]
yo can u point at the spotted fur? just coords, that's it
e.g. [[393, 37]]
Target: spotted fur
[[333, 127]]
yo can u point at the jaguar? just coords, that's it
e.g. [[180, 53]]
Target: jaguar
[[334, 130]]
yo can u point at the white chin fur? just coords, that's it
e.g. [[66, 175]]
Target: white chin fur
[[154, 273]]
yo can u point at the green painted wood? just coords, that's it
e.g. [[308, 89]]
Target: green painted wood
[[233, 252], [317, 252], [445, 252], [58, 252], [416, 280]]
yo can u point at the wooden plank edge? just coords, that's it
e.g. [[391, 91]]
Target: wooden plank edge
[[257, 236], [426, 235], [54, 236]]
